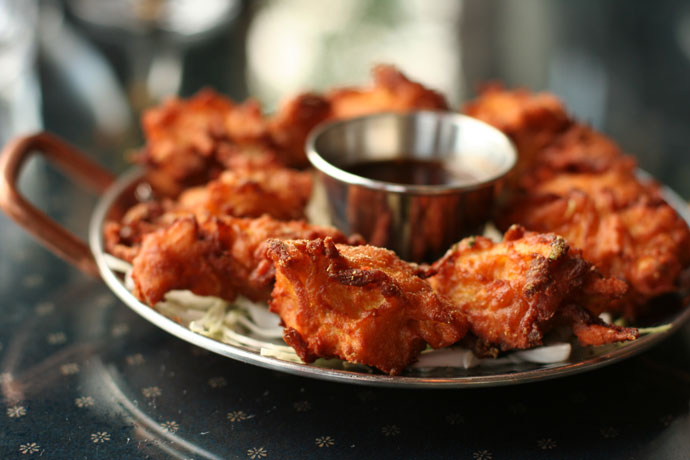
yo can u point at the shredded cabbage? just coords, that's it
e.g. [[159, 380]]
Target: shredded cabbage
[[250, 325]]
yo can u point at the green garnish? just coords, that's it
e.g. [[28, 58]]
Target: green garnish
[[655, 329]]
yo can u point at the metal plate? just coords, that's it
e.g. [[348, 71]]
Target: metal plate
[[582, 359]]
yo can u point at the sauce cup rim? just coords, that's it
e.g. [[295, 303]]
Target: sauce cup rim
[[337, 173]]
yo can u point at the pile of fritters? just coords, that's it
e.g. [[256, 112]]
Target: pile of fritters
[[575, 182], [227, 219]]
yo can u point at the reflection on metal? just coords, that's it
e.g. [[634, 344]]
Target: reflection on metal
[[418, 222]]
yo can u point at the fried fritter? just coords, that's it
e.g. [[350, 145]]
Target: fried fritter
[[361, 304], [281, 193], [392, 92], [514, 292], [292, 124], [633, 237], [214, 256], [190, 141], [250, 190], [185, 139], [532, 121], [576, 182]]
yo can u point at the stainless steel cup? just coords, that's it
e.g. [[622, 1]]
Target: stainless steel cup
[[418, 222]]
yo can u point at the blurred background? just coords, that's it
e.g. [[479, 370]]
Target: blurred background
[[85, 69]]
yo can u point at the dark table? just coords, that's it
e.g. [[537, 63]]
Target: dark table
[[82, 376]]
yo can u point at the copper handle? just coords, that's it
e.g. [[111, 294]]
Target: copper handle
[[76, 166]]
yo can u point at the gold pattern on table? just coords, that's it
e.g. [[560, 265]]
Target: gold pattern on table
[[257, 452], [69, 368], [454, 419], [609, 432], [104, 300], [518, 408], [44, 308], [302, 406], [29, 448], [32, 281], [390, 430], [84, 401], [217, 382], [56, 338], [324, 441], [238, 416], [170, 426], [547, 444], [135, 359], [482, 455], [100, 437], [16, 411], [151, 392], [120, 329]]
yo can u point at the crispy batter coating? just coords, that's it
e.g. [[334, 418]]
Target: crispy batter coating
[[292, 124], [576, 182], [532, 121], [392, 92], [214, 256], [186, 139], [361, 304], [190, 141], [252, 189], [515, 291], [637, 238], [281, 193]]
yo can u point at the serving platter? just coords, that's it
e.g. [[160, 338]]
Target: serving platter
[[503, 372]]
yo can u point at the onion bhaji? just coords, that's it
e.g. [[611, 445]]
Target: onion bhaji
[[532, 121], [392, 92], [215, 256], [190, 141], [513, 292], [293, 122], [642, 241], [358, 303], [576, 182], [224, 223], [246, 191], [186, 140], [281, 193]]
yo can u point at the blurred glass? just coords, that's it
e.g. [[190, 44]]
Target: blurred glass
[[19, 90], [154, 35]]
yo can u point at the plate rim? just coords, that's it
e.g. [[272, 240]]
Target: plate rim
[[351, 377]]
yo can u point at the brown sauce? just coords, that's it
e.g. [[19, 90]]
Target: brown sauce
[[410, 172]]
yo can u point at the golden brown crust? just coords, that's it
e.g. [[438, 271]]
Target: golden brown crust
[[512, 292], [292, 124], [249, 190], [361, 304], [392, 92], [186, 139], [214, 256], [531, 120], [576, 182]]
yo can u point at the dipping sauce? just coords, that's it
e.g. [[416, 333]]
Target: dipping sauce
[[411, 171]]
